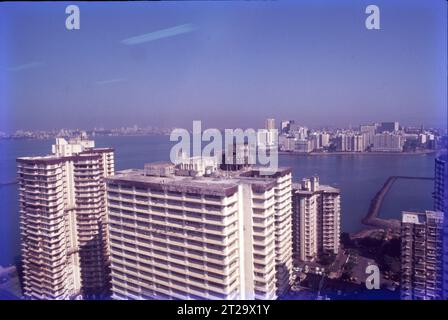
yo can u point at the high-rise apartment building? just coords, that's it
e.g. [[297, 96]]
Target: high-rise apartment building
[[62, 202], [441, 204], [286, 143], [441, 183], [358, 143], [421, 255], [285, 126], [224, 236], [388, 142], [270, 124], [314, 140], [368, 131], [316, 219], [343, 142], [324, 139], [350, 142], [268, 137], [299, 132], [388, 127], [303, 146]]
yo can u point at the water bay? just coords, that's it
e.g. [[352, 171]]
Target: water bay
[[358, 176]]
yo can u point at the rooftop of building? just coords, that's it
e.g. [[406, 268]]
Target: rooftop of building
[[176, 183], [297, 187], [51, 159], [84, 151], [328, 188], [96, 150], [222, 183], [421, 217]]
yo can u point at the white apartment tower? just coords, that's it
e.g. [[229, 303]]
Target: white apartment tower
[[270, 124], [316, 219], [62, 204], [387, 142], [368, 131], [210, 237], [350, 142]]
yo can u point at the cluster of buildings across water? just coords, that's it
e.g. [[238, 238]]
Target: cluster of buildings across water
[[378, 137], [199, 229], [294, 137], [72, 133]]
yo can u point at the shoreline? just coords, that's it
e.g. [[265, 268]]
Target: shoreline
[[368, 232], [349, 153]]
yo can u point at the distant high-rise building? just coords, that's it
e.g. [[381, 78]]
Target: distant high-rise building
[[369, 132], [422, 138], [303, 146], [314, 140], [316, 219], [286, 143], [324, 139], [342, 142], [269, 136], [64, 237], [350, 142], [285, 126], [179, 237], [358, 143], [388, 127], [270, 124], [431, 142], [388, 142], [298, 131], [421, 255]]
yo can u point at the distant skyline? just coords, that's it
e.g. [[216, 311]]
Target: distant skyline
[[163, 129], [229, 64]]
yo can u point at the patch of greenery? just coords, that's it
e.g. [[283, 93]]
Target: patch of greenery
[[326, 258]]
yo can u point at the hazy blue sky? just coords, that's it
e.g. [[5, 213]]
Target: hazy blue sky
[[230, 64]]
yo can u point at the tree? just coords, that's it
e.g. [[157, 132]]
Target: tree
[[327, 258]]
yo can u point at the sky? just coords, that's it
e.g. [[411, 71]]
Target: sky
[[230, 64]]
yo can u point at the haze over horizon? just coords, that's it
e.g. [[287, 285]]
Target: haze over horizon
[[229, 64]]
